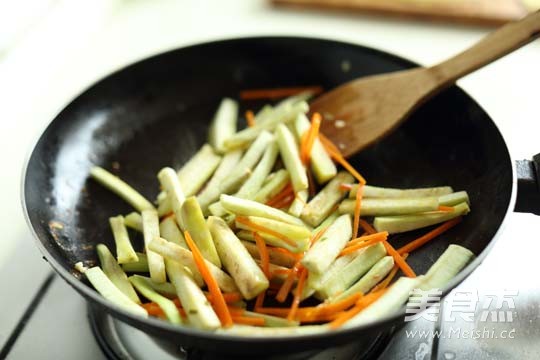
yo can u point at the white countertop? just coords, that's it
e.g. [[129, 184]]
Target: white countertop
[[77, 42]]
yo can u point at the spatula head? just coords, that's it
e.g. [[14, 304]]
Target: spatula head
[[362, 111]]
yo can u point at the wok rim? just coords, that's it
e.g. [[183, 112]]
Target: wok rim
[[162, 326]]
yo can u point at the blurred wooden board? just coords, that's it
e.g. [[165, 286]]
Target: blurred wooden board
[[482, 12]]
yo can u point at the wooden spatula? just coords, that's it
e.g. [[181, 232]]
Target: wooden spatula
[[366, 109]]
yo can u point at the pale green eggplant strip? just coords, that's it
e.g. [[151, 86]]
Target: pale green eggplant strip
[[244, 167], [248, 276], [115, 273], [324, 202], [109, 291], [369, 280], [254, 183], [175, 194], [198, 310], [299, 247], [321, 164], [140, 266], [124, 250], [447, 266], [175, 252], [244, 207], [196, 172], [275, 257], [291, 158], [211, 191], [321, 255], [403, 223], [194, 222], [390, 302], [274, 184], [166, 289], [266, 122], [156, 265], [352, 271], [299, 202], [169, 308], [217, 209], [168, 229], [454, 198], [384, 207], [385, 193], [133, 221], [223, 125], [120, 188], [165, 207], [289, 231]]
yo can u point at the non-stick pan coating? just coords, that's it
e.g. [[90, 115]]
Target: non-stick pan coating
[[155, 113]]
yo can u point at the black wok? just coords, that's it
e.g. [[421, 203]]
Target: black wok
[[155, 113]]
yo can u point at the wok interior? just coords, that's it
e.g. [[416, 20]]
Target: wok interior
[[155, 113]]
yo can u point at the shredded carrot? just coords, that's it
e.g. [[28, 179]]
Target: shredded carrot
[[359, 240], [229, 297], [284, 203], [244, 220], [288, 283], [263, 253], [250, 118], [286, 191], [366, 226], [298, 294], [345, 187], [246, 320], [335, 153], [281, 271], [222, 311], [357, 204], [309, 140], [402, 264], [324, 309], [277, 93], [360, 305], [422, 240], [384, 284], [317, 236], [259, 301], [370, 240], [445, 208], [284, 251]]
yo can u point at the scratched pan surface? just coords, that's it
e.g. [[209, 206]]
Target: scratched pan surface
[[155, 113]]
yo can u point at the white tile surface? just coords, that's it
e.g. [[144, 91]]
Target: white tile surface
[[81, 41]]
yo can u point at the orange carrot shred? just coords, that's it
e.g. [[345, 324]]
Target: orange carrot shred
[[229, 297], [246, 320], [281, 271], [284, 203], [360, 305], [366, 226], [357, 246], [335, 153], [244, 220], [250, 118], [359, 240], [345, 187], [288, 283], [357, 204], [263, 252], [298, 294], [415, 244], [313, 133], [259, 301], [286, 191], [445, 208], [402, 264], [222, 311], [277, 93]]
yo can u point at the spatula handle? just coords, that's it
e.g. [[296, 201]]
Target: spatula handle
[[495, 45]]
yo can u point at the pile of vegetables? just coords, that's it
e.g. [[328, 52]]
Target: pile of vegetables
[[260, 222]]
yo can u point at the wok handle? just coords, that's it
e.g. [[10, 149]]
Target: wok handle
[[528, 180]]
